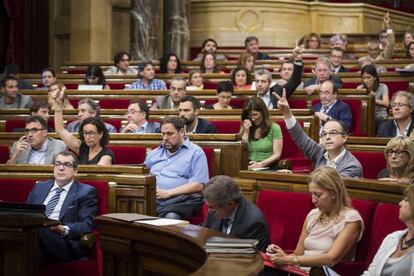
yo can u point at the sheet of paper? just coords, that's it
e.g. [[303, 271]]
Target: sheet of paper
[[129, 217], [163, 222]]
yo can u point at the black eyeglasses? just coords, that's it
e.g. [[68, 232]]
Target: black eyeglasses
[[88, 133], [66, 165], [331, 133], [398, 153], [214, 210], [32, 130]]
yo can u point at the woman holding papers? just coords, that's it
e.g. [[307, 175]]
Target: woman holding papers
[[330, 232], [264, 137]]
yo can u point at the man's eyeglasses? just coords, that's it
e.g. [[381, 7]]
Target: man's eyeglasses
[[399, 104], [88, 133], [32, 130], [398, 153], [132, 112], [66, 165], [214, 210], [331, 133]]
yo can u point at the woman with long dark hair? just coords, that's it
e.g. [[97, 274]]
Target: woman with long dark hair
[[264, 137]]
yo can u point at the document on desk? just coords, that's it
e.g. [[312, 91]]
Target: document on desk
[[164, 222], [129, 217]]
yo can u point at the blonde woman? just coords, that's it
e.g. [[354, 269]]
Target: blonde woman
[[399, 154], [330, 232]]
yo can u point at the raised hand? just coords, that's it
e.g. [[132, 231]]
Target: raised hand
[[297, 53], [387, 19], [282, 102]]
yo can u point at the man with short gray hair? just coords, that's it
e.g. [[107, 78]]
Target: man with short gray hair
[[402, 124], [263, 80], [231, 213]]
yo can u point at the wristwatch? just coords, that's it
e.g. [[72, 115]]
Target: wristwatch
[[295, 261]]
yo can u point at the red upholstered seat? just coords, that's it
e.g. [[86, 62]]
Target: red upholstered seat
[[200, 217], [297, 103], [373, 162], [291, 152], [210, 85], [15, 189], [357, 118], [285, 213], [227, 126], [385, 221], [117, 123], [114, 103], [366, 209], [210, 159], [117, 85], [235, 103], [129, 155], [93, 266], [4, 153], [73, 86]]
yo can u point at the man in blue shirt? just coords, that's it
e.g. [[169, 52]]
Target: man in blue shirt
[[146, 81], [181, 170]]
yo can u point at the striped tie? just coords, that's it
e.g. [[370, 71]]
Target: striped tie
[[53, 201], [325, 109]]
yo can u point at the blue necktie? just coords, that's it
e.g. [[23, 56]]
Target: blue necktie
[[53, 201], [325, 109], [225, 225]]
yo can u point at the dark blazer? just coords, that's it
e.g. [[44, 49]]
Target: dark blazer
[[339, 111], [336, 80], [290, 86], [262, 56], [77, 212], [249, 223], [342, 69], [388, 128], [204, 126]]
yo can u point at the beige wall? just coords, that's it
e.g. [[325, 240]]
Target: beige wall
[[282, 22]]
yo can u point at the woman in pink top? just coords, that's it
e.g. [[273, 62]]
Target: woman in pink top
[[331, 230]]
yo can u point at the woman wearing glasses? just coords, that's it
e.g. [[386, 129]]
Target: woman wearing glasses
[[396, 253], [93, 137], [399, 154], [330, 232]]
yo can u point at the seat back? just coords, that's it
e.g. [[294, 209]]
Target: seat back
[[210, 159], [227, 126], [385, 221], [15, 189], [102, 191], [285, 224], [114, 103], [128, 155], [373, 162], [4, 153], [366, 209]]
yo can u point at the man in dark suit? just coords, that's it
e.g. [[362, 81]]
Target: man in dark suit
[[231, 213], [73, 204], [336, 58], [178, 89], [331, 108], [402, 124], [138, 116], [323, 72], [189, 109], [252, 46]]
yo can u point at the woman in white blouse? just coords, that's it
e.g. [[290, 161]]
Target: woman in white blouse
[[396, 253], [331, 230]]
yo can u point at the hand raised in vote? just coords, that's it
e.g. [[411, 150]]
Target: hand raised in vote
[[282, 102]]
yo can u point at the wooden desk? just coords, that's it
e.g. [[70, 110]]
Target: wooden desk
[[138, 249], [19, 246], [382, 191]]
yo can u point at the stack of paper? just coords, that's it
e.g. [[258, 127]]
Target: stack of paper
[[230, 245]]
